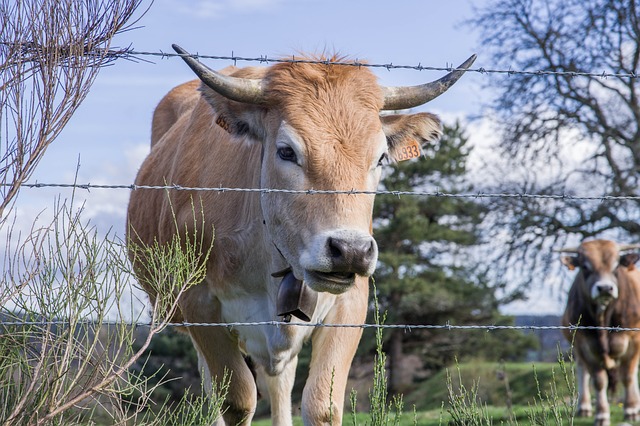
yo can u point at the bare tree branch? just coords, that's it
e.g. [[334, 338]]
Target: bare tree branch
[[50, 54], [543, 117]]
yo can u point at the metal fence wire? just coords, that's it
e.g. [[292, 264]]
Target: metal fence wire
[[436, 193], [28, 49], [406, 327], [133, 54]]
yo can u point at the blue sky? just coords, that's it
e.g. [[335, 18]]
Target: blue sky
[[109, 134]]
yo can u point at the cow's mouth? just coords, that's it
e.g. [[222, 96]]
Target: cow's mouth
[[336, 277], [332, 282]]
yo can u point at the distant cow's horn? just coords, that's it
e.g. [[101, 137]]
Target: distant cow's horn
[[624, 247], [568, 250], [237, 89], [412, 96]]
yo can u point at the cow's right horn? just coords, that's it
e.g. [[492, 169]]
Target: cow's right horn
[[404, 97], [237, 89]]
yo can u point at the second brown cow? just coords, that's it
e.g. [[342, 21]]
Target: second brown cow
[[605, 293]]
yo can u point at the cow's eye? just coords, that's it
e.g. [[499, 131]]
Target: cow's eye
[[287, 153], [382, 159]]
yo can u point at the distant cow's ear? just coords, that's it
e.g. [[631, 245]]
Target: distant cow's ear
[[629, 260], [571, 262], [407, 134]]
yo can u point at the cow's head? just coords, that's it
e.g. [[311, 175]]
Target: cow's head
[[599, 262], [320, 128]]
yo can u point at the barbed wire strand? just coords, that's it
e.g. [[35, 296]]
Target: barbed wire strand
[[408, 327], [264, 59], [437, 193], [135, 55]]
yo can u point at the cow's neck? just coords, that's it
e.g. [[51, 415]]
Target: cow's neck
[[603, 316]]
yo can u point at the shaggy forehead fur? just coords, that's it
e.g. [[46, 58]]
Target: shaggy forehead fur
[[601, 253], [331, 107]]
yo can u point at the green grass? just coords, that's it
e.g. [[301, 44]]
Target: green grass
[[431, 393], [431, 397], [437, 417]]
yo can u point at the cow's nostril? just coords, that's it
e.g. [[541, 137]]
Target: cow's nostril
[[336, 247], [371, 249]]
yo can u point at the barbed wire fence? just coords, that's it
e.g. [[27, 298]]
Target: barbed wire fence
[[135, 55]]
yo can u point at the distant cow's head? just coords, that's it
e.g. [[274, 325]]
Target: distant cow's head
[[320, 128], [599, 262]]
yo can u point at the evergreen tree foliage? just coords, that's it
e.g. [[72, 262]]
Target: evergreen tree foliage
[[426, 272]]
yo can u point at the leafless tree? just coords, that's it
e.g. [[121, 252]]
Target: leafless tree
[[567, 129], [50, 54]]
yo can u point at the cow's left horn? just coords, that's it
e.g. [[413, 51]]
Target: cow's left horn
[[237, 89], [568, 250], [403, 97]]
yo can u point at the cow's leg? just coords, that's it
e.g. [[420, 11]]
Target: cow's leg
[[279, 388], [207, 382], [333, 349], [600, 382], [584, 392], [220, 353], [218, 350], [629, 371]]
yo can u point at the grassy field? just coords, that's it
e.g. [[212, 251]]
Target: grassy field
[[498, 416], [537, 394]]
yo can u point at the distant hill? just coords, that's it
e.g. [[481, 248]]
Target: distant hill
[[549, 340]]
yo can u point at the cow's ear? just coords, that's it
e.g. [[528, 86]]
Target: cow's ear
[[629, 260], [237, 118], [571, 262], [408, 134]]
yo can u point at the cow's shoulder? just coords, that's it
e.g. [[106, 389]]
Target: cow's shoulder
[[178, 102], [629, 300]]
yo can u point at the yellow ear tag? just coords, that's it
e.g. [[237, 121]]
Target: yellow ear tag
[[409, 151]]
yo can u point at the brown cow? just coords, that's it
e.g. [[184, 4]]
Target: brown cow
[[294, 126], [605, 293]]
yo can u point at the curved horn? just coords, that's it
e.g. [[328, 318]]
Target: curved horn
[[568, 250], [404, 97], [237, 89], [624, 247]]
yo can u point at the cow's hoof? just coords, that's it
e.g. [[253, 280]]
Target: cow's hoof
[[584, 412], [631, 415], [602, 420]]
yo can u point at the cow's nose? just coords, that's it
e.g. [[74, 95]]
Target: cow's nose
[[605, 288], [354, 254]]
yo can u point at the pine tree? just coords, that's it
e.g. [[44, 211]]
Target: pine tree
[[424, 274]]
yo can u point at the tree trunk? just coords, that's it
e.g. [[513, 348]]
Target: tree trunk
[[396, 380]]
